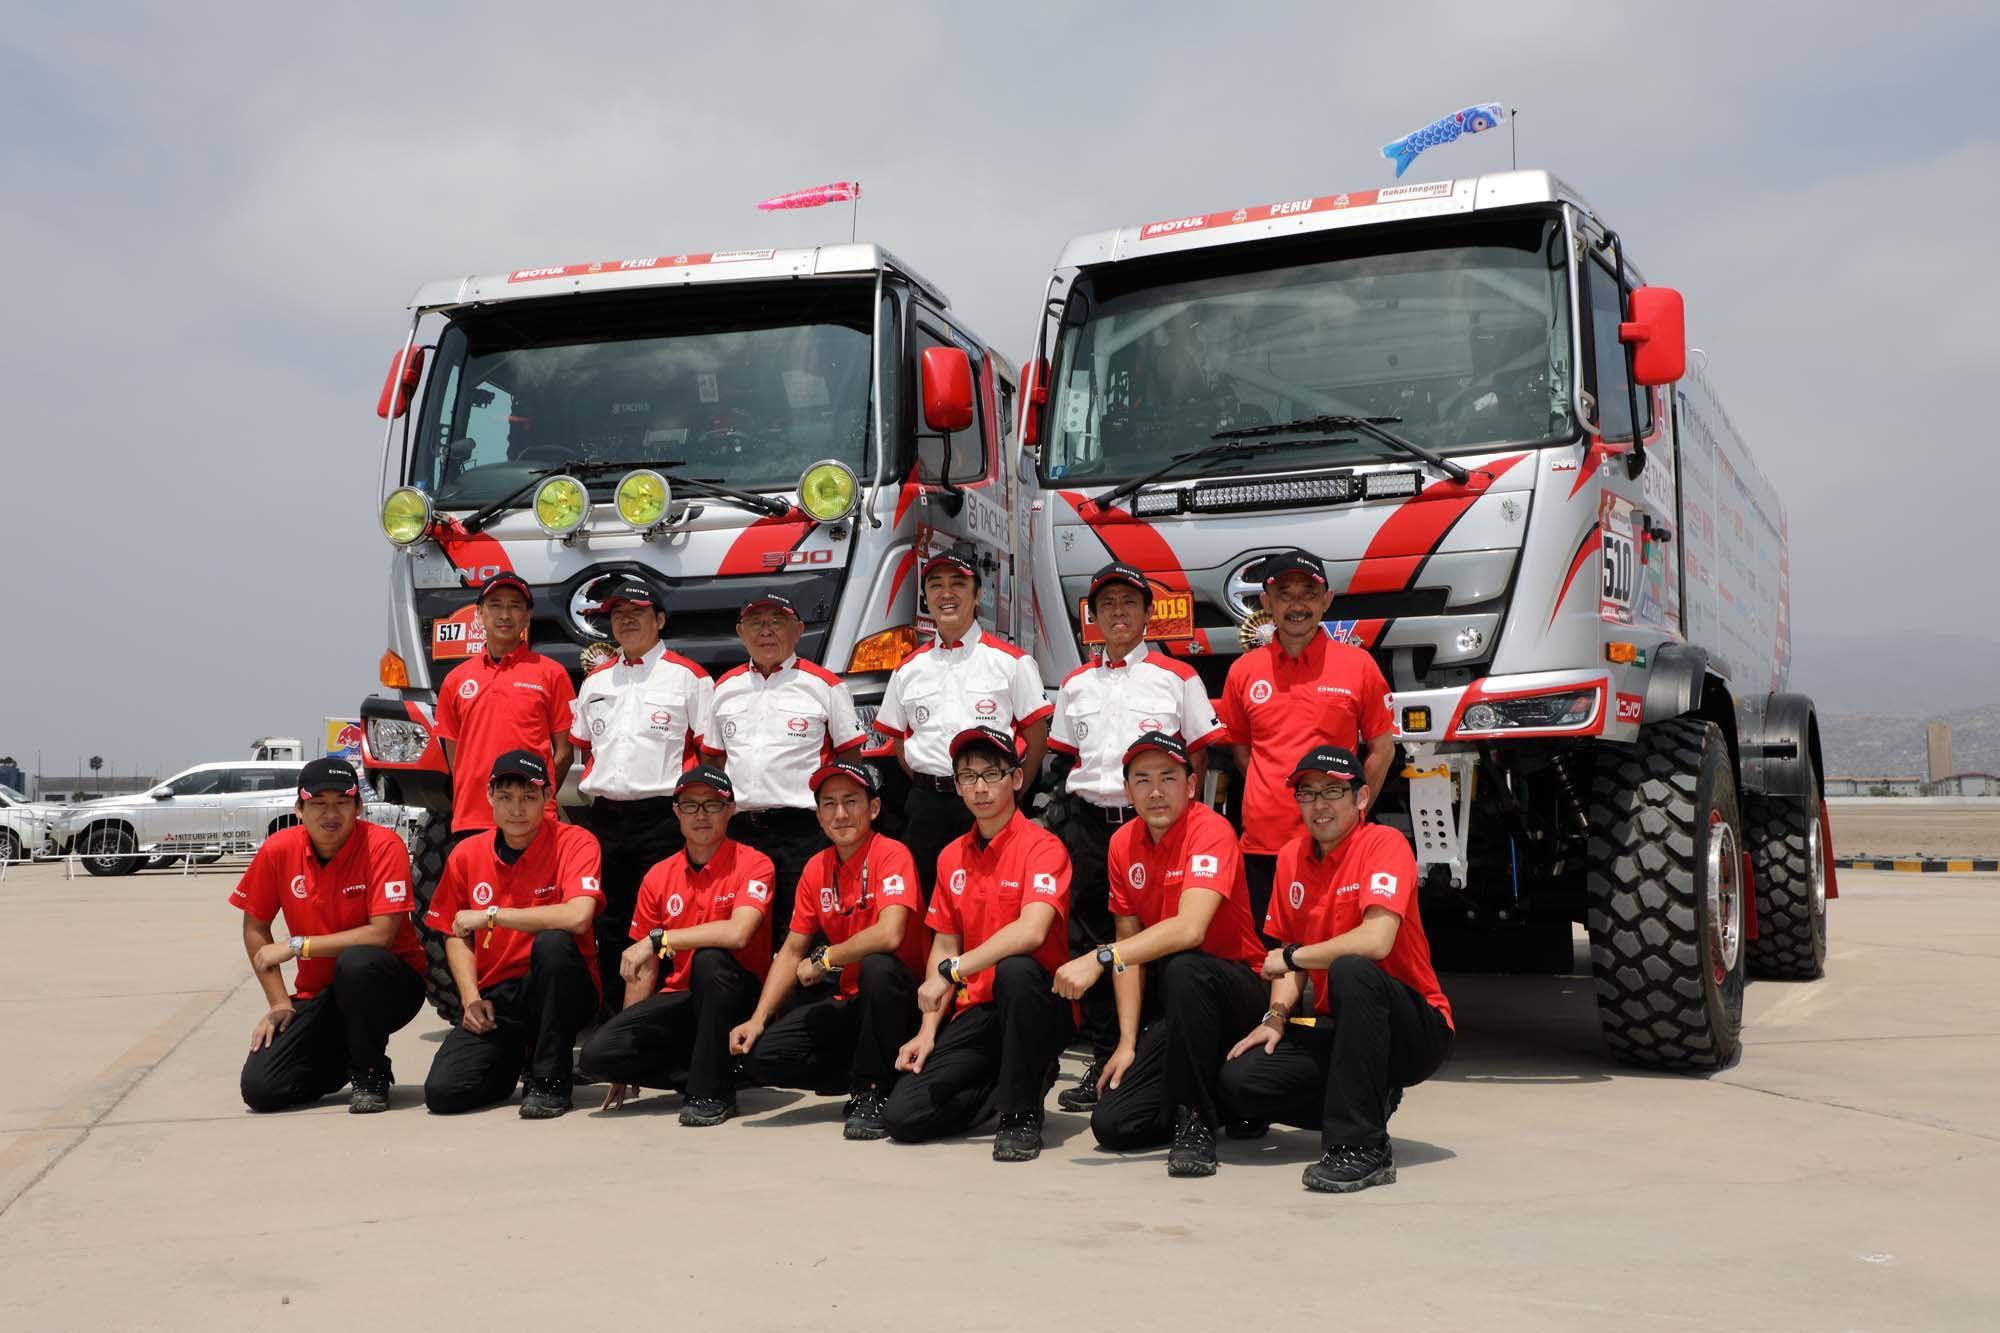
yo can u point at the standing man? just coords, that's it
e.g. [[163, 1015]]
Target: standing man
[[343, 886], [1003, 891], [1347, 919], [857, 948], [1102, 708], [701, 913], [1186, 950], [1300, 690], [507, 698], [964, 678], [639, 721], [517, 906], [778, 719]]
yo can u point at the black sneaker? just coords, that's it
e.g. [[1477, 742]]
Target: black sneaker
[[1019, 1138], [1193, 1153], [544, 1098], [1345, 1169], [701, 1112], [864, 1115], [371, 1090], [1084, 1095]]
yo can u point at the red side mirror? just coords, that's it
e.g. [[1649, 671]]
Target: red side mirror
[[401, 383], [1658, 334], [1034, 395], [947, 388]]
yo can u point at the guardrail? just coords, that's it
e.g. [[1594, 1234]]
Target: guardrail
[[235, 838]]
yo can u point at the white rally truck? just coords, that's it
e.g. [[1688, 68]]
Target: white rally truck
[[1433, 387], [723, 424]]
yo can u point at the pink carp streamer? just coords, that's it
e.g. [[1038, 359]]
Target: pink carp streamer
[[836, 192]]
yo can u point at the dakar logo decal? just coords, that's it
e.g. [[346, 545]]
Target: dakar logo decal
[[958, 881], [1136, 876], [597, 726], [675, 905], [921, 713], [1297, 894], [298, 886], [468, 689], [482, 893], [1081, 728], [829, 899], [1260, 692]]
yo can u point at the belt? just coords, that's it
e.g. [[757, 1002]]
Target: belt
[[635, 806], [1114, 815], [776, 817], [929, 782]]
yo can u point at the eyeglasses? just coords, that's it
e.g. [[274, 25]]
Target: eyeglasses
[[1320, 795], [764, 622], [700, 807], [985, 777]]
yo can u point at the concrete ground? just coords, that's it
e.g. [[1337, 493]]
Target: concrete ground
[[1845, 1174], [1891, 827]]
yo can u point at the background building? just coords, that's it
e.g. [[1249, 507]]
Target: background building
[[1937, 749]]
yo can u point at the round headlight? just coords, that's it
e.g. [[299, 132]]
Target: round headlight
[[642, 498], [406, 516], [827, 491], [561, 505], [1481, 717]]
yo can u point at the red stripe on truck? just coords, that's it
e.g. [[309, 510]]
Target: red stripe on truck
[[769, 535], [1131, 541], [1418, 526], [1584, 550]]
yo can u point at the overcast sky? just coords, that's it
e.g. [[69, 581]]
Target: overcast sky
[[211, 227]]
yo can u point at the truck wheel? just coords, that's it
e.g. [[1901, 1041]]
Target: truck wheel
[[1790, 861], [433, 844], [107, 850], [10, 846], [1665, 897]]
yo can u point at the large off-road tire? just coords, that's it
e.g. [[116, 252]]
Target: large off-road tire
[[107, 850], [1664, 895], [427, 857], [1783, 834]]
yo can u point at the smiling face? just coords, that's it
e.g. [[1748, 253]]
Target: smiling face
[[704, 816], [953, 598], [328, 817], [1297, 603], [637, 628], [1159, 789], [769, 635], [505, 617], [846, 813], [1120, 612], [517, 809], [1330, 807]]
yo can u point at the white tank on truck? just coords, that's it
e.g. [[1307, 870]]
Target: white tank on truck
[[812, 422], [1434, 388]]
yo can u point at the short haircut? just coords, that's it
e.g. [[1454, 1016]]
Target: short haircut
[[1007, 759]]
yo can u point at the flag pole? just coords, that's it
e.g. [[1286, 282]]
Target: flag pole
[[1513, 139], [854, 214]]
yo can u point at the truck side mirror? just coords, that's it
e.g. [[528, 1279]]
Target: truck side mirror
[[1658, 334], [947, 379], [401, 383], [1034, 394]]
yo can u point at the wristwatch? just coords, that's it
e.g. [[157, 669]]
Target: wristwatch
[[1107, 956], [298, 943], [948, 969], [1291, 962], [657, 937], [492, 915], [819, 961]]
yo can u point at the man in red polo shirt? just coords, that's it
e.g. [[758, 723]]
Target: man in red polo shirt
[[1299, 690], [507, 698], [704, 912], [1347, 915], [1000, 932], [860, 900], [517, 905], [343, 886], [1185, 949]]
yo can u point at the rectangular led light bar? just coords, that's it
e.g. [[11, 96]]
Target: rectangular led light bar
[[1220, 497]]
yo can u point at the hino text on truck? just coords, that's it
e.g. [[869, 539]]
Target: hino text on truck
[[1434, 388], [810, 422]]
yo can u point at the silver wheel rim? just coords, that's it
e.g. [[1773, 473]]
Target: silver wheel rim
[[1816, 865], [1724, 891]]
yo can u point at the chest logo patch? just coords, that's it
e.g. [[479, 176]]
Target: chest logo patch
[[661, 718], [797, 725], [829, 899], [1151, 724], [482, 893], [597, 726], [468, 689], [958, 881], [1260, 691], [986, 708], [675, 905], [353, 890], [921, 713], [1135, 875], [298, 886], [1296, 894]]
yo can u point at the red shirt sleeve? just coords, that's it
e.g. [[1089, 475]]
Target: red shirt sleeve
[[1117, 869], [444, 718], [561, 696], [649, 912], [450, 895], [758, 877], [257, 892], [1278, 916], [1045, 876], [942, 918], [1373, 705], [899, 885], [388, 876], [577, 868], [1232, 714], [1392, 873]]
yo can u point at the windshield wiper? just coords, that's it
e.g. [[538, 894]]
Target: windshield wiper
[[1369, 426], [748, 499], [1225, 445]]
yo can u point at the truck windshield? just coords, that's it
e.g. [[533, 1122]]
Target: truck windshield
[[1463, 333], [745, 385]]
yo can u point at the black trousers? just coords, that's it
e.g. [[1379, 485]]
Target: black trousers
[[1259, 870], [831, 1045], [933, 819], [1204, 1004], [991, 1058], [790, 838], [679, 1039], [1337, 1075], [538, 1016], [634, 837], [342, 1031], [1086, 835]]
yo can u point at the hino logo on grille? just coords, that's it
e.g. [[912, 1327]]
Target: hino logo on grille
[[1244, 591]]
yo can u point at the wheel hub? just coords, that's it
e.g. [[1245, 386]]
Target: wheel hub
[[1724, 891], [1816, 863]]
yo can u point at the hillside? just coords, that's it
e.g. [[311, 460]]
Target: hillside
[[1872, 745]]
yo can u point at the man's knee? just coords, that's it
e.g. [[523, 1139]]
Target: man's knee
[[261, 1092], [1178, 975], [554, 948], [884, 969], [710, 966], [1352, 975], [1111, 1124], [1019, 975], [452, 1096], [909, 1117]]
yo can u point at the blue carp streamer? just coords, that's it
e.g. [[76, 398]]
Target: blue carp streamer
[[1469, 121]]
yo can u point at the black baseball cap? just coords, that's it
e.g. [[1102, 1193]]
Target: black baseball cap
[[323, 775], [1171, 746], [956, 557], [1293, 562], [861, 774], [627, 589], [525, 765], [777, 599], [707, 775], [992, 737], [507, 578], [1120, 572], [1328, 759]]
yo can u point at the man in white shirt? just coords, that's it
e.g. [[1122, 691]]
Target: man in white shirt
[[776, 721], [964, 678], [1127, 690], [639, 722]]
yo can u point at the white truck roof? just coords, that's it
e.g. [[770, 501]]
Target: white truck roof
[[668, 270], [1290, 217]]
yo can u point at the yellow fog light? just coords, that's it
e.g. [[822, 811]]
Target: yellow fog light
[[827, 491], [642, 498], [561, 505], [406, 516]]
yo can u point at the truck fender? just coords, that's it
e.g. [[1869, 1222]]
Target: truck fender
[[1779, 739], [1673, 686]]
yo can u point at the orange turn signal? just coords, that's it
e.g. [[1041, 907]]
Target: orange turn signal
[[885, 651], [1621, 652], [392, 672]]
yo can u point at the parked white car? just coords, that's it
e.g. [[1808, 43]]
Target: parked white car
[[24, 825], [208, 811]]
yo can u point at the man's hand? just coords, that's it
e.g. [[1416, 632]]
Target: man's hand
[[271, 1024], [479, 1018], [744, 1035], [1075, 978], [932, 995], [467, 922], [809, 973], [1266, 1034], [1274, 965], [615, 1095], [272, 956], [915, 1051], [633, 959], [1115, 1068]]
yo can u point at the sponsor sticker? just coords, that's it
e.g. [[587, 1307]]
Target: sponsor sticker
[[1631, 708], [458, 635], [1260, 691], [1172, 618]]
